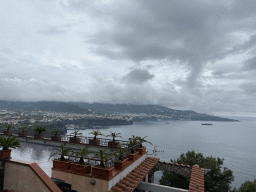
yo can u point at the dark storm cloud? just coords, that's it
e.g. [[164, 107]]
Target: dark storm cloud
[[194, 32], [137, 76]]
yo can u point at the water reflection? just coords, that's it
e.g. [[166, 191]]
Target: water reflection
[[35, 152]]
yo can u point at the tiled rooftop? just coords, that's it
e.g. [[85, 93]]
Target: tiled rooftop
[[131, 180], [196, 183]]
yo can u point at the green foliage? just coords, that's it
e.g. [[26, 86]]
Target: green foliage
[[9, 142], [101, 154], [82, 153], [75, 133], [24, 128], [56, 131], [132, 143], [120, 153], [114, 135], [247, 186], [8, 127], [217, 179], [95, 133], [40, 130], [64, 151], [175, 180], [142, 140]]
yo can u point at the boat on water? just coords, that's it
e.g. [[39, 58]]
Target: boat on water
[[166, 123], [206, 124]]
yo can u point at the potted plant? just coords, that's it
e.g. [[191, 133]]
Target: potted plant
[[6, 143], [81, 167], [23, 133], [39, 131], [61, 163], [8, 130], [56, 137], [75, 139], [142, 149], [113, 143], [102, 171], [95, 141], [120, 163], [132, 143]]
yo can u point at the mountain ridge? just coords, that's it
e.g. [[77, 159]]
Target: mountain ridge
[[88, 108]]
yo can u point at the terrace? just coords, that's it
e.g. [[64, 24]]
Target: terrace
[[133, 174]]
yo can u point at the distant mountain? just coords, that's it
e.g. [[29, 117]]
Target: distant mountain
[[88, 108], [43, 106], [153, 109]]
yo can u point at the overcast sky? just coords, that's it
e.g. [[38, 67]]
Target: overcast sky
[[182, 54]]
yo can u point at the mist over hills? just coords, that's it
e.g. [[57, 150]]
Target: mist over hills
[[88, 108]]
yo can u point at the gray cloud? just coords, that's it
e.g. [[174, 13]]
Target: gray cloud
[[184, 54], [137, 76], [193, 32], [250, 64]]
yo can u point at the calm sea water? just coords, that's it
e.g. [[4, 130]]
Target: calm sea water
[[233, 141]]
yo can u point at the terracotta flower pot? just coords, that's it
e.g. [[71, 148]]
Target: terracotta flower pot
[[56, 138], [22, 134], [61, 165], [7, 132], [5, 153], [113, 144], [102, 173], [94, 141], [141, 151], [74, 140], [133, 156], [80, 169], [120, 165], [38, 136]]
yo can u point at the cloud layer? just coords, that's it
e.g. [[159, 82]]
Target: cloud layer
[[196, 55]]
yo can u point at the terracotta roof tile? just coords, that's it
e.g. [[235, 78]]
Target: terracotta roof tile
[[117, 189], [131, 180], [197, 179]]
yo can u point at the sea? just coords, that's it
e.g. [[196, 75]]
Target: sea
[[233, 141]]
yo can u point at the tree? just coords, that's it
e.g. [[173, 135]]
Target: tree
[[114, 135], [96, 133], [215, 180], [247, 186], [142, 140], [175, 180], [9, 142]]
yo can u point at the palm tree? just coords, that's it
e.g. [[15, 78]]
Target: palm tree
[[75, 133], [82, 153], [120, 153], [56, 131], [23, 129], [40, 130], [64, 151], [96, 133], [10, 142], [102, 156], [132, 143], [8, 127], [142, 140], [114, 135]]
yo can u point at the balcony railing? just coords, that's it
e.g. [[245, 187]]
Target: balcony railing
[[47, 135]]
